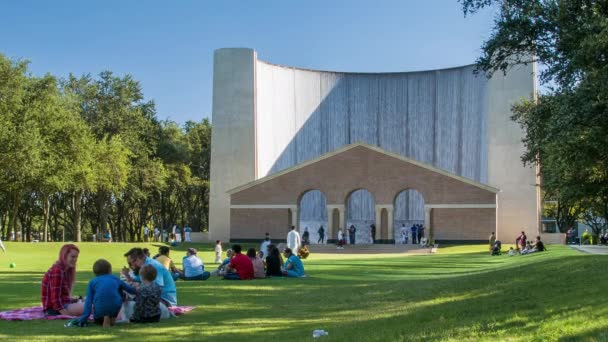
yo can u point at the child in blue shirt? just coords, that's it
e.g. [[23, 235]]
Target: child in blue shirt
[[104, 294]]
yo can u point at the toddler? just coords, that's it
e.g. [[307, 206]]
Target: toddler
[[104, 293], [218, 251], [147, 300]]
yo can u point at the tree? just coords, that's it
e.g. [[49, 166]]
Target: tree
[[566, 129]]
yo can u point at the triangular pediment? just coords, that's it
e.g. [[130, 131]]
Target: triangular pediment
[[359, 145]]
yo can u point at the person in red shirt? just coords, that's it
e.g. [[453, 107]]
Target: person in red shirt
[[58, 282], [240, 267]]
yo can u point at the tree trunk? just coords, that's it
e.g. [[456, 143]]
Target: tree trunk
[[77, 205], [46, 212]]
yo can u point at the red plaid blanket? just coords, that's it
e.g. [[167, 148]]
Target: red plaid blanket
[[35, 312]]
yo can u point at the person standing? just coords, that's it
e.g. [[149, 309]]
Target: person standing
[[264, 246], [492, 239], [373, 232], [178, 235], [293, 239], [146, 232], [187, 231], [404, 232], [520, 242], [352, 230], [2, 245], [156, 234], [414, 231], [306, 237], [340, 239], [321, 232]]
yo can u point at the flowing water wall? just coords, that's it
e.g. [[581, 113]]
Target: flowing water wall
[[437, 117]]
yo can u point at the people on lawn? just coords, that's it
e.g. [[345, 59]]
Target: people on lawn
[[221, 269], [404, 233], [240, 266], [293, 266], [104, 293], [218, 251], [521, 240], [341, 240], [352, 234], [321, 232], [293, 239], [165, 260], [537, 246], [136, 260], [274, 262], [148, 299], [258, 264], [306, 237], [187, 232], [194, 269], [58, 282], [264, 246]]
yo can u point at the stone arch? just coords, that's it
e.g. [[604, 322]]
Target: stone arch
[[408, 210], [312, 210], [360, 206]]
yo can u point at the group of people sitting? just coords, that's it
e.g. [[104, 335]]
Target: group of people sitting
[[144, 296], [262, 264], [146, 289], [523, 246]]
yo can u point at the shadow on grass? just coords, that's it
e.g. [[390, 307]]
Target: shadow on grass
[[526, 298]]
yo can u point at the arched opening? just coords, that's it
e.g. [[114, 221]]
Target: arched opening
[[313, 214], [361, 213], [409, 211]]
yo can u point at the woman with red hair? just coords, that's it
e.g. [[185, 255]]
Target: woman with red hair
[[58, 282]]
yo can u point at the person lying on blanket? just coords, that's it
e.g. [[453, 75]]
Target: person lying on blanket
[[58, 282]]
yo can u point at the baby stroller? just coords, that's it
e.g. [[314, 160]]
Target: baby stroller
[[496, 248]]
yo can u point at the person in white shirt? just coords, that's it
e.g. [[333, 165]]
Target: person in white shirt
[[264, 247], [146, 233], [218, 251], [2, 245], [340, 239], [293, 240], [404, 232], [187, 231]]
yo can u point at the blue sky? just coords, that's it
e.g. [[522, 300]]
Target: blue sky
[[168, 45]]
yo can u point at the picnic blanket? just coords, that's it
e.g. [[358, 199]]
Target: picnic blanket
[[35, 312]]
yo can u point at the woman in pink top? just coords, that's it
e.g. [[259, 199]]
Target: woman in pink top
[[258, 264]]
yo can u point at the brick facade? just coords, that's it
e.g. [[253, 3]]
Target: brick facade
[[361, 166]]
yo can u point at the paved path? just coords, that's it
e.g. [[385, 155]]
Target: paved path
[[591, 249]]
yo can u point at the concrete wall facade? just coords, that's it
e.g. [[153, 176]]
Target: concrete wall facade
[[274, 117]]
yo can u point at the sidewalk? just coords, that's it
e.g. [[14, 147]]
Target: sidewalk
[[591, 249]]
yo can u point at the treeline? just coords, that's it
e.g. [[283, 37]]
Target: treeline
[[87, 155]]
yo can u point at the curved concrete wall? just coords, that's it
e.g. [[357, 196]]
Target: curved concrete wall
[[436, 117], [451, 119]]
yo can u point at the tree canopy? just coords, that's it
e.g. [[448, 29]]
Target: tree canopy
[[86, 155], [566, 128]]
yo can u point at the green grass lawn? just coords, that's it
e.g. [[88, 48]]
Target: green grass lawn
[[459, 294]]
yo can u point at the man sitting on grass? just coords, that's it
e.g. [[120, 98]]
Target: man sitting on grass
[[137, 259], [240, 266]]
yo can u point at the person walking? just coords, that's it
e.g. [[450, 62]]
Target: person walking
[[321, 233], [293, 240]]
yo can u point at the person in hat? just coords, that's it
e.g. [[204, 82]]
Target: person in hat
[[194, 269]]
